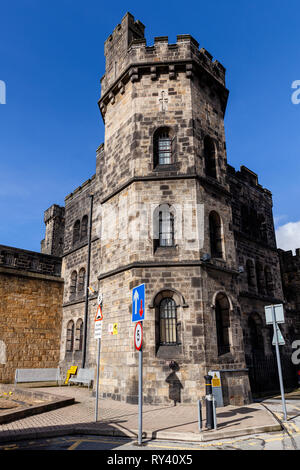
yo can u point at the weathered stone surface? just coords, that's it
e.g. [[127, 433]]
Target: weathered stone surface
[[179, 87], [30, 311]]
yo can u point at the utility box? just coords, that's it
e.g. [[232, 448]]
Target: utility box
[[217, 387]]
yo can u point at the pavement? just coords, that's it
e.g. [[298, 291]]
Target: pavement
[[165, 422]]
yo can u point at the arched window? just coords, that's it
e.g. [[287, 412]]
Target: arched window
[[70, 336], [73, 285], [81, 280], [250, 273], [269, 280], [210, 157], [79, 335], [260, 278], [76, 232], [164, 226], [222, 324], [163, 144], [215, 232], [84, 227], [167, 321]]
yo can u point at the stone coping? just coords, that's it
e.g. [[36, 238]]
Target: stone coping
[[47, 402]]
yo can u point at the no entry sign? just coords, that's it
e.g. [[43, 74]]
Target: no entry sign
[[138, 336]]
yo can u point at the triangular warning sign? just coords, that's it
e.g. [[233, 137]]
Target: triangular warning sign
[[281, 341], [99, 315]]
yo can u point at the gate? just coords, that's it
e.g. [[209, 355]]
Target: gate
[[263, 373]]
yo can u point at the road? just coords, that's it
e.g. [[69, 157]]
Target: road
[[287, 439]]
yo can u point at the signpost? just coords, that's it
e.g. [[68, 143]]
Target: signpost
[[138, 303], [98, 335], [276, 313], [138, 315]]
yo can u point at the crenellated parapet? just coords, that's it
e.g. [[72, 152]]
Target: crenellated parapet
[[244, 175], [129, 60], [289, 261]]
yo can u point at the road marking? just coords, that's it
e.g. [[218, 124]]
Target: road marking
[[295, 427], [76, 444]]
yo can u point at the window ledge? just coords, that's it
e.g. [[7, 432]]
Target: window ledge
[[166, 167], [166, 250], [171, 351]]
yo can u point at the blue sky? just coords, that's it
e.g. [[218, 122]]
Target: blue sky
[[52, 58]]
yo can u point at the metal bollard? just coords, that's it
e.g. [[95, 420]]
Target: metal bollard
[[214, 412], [209, 402], [199, 415]]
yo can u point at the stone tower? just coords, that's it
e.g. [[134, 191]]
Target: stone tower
[[54, 219], [166, 220]]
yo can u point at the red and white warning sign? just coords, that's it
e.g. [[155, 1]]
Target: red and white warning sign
[[138, 336], [99, 314], [98, 319]]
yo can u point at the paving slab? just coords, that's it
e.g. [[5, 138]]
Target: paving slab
[[179, 423]]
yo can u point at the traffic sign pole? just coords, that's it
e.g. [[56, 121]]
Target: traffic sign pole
[[98, 335], [279, 363], [140, 395], [138, 315], [97, 381]]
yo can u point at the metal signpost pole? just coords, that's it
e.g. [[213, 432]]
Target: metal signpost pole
[[138, 315], [97, 381], [140, 394], [98, 336], [279, 363]]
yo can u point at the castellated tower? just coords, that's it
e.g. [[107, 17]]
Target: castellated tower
[[166, 221], [54, 219]]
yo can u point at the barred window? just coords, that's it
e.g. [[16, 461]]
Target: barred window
[[166, 228], [168, 321], [79, 335], [70, 336], [163, 143]]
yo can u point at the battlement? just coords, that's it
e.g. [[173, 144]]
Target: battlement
[[288, 259], [127, 48], [54, 211], [80, 189], [30, 261], [247, 176]]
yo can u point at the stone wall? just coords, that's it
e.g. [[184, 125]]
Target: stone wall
[[30, 311], [290, 271]]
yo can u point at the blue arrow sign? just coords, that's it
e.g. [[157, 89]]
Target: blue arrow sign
[[138, 303]]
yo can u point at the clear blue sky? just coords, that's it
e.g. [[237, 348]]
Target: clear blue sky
[[52, 59]]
